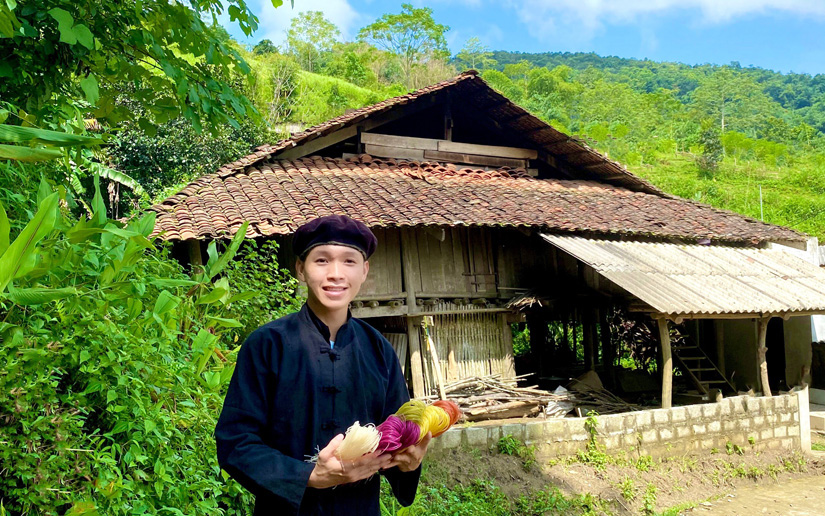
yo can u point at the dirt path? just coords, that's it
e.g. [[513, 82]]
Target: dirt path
[[797, 497]]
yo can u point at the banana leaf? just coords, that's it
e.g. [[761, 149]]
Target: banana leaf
[[19, 134]]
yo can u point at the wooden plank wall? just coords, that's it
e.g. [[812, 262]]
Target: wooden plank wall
[[385, 265], [524, 261]]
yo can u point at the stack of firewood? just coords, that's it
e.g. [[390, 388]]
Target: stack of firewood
[[491, 397]]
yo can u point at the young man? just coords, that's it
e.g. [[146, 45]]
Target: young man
[[302, 380]]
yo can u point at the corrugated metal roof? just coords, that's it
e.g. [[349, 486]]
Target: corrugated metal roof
[[686, 279]]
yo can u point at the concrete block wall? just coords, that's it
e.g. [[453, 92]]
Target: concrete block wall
[[776, 422]]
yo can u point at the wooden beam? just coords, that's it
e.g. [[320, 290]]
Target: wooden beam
[[193, 247], [320, 143], [404, 142], [762, 355], [410, 272], [473, 159], [667, 363], [379, 311], [488, 150], [394, 152]]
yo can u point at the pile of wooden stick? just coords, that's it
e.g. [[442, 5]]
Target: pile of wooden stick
[[491, 397]]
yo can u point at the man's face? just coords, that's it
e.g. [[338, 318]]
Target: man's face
[[333, 274]]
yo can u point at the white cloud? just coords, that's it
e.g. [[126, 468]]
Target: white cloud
[[274, 22], [581, 19]]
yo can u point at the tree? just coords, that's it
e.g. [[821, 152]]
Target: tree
[[265, 46], [412, 34], [734, 100], [475, 55], [309, 37], [61, 61]]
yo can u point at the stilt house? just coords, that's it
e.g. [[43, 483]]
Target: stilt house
[[487, 216]]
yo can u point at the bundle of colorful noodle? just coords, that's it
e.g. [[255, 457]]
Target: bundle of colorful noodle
[[408, 426]]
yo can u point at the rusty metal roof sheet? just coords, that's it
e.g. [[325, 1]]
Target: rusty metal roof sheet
[[691, 279]]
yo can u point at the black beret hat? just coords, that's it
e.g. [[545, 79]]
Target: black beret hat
[[336, 230]]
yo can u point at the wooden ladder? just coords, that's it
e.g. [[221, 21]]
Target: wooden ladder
[[701, 370]]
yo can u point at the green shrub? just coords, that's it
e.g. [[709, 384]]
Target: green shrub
[[114, 371]]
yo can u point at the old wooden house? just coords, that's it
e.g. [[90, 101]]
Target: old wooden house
[[487, 216]]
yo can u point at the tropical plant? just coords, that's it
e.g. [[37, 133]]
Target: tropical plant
[[115, 365]]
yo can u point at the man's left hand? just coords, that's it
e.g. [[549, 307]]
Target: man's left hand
[[410, 458]]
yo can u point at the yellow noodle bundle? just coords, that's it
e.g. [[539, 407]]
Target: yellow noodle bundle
[[359, 440], [411, 411], [436, 420]]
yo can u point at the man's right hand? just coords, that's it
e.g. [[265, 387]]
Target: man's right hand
[[330, 471]]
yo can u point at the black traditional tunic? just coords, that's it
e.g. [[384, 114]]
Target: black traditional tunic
[[291, 393]]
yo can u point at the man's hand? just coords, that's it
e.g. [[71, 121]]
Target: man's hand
[[330, 471], [410, 459]]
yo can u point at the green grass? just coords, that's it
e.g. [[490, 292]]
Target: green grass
[[322, 97], [792, 195]]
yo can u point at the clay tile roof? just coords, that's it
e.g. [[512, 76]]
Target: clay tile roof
[[277, 196], [569, 151]]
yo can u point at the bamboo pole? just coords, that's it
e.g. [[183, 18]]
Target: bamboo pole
[[762, 355], [667, 363]]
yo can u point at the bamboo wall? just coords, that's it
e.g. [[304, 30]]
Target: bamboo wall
[[467, 345]]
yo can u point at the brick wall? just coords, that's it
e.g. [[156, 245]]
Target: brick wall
[[773, 423]]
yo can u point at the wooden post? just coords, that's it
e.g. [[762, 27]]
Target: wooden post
[[439, 380], [508, 366], [667, 363], [193, 246], [538, 340], [720, 346], [588, 339], [763, 350], [608, 351], [410, 270]]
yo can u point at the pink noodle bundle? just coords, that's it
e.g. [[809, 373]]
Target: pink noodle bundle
[[397, 434], [391, 431]]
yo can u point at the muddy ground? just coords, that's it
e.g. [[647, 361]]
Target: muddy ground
[[630, 483]]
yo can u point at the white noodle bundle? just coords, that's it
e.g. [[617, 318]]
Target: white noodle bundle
[[359, 440]]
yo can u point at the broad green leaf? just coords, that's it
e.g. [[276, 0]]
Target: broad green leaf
[[19, 153], [23, 246], [203, 339], [8, 21], [169, 282], [212, 297], [148, 425], [44, 190], [225, 258], [226, 323], [84, 356], [165, 303], [98, 208], [83, 508], [85, 38], [5, 230], [65, 22], [19, 134], [38, 295], [243, 296], [90, 89], [120, 426], [116, 176]]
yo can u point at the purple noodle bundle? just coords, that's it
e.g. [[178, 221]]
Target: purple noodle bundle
[[397, 434]]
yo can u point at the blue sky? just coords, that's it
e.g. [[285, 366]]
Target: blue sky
[[782, 35]]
